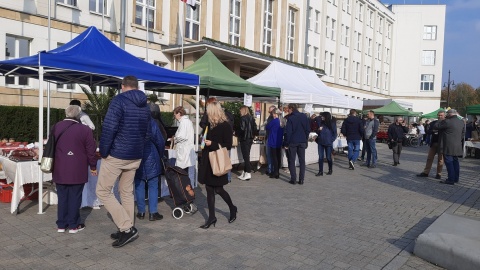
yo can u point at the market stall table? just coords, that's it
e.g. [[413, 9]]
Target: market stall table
[[470, 144], [21, 173]]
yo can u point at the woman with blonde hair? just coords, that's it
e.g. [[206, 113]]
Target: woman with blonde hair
[[219, 134], [245, 137]]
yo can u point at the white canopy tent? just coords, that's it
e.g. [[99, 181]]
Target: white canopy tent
[[302, 86]]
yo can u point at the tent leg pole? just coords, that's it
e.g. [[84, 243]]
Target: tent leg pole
[[197, 123], [40, 138]]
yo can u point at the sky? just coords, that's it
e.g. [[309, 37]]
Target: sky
[[462, 39]]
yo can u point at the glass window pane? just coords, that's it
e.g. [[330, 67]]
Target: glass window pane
[[10, 48], [269, 21], [195, 31], [196, 14], [237, 8], [187, 29], [151, 17], [237, 26], [23, 48], [138, 15], [93, 5], [269, 37], [231, 24]]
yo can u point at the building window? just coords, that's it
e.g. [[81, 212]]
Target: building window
[[430, 32], [317, 21], [291, 34], [192, 22], [267, 26], [345, 68], [327, 27], [235, 17], [309, 48], [367, 76], [426, 83], [357, 72], [325, 62], [370, 19], [340, 67], [389, 29], [360, 12], [65, 86], [377, 79], [310, 15], [379, 51], [332, 63], [141, 10], [334, 2], [387, 55], [386, 81], [347, 29], [342, 34], [68, 2], [99, 6], [16, 47], [428, 58], [346, 6], [333, 29], [359, 42], [315, 56], [369, 47]]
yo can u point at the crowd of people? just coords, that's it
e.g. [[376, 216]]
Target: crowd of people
[[133, 139]]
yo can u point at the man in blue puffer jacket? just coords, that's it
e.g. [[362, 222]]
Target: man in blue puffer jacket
[[125, 130]]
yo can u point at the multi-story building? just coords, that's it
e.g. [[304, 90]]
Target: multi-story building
[[361, 48]]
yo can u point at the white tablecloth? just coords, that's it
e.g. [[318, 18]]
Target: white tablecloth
[[470, 144], [89, 196], [21, 173]]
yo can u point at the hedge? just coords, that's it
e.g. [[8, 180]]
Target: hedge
[[21, 123]]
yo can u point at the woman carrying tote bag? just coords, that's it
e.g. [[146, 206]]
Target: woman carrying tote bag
[[219, 133]]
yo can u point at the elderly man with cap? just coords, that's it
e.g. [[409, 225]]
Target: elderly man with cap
[[451, 144]]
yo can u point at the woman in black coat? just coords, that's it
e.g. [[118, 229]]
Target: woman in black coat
[[219, 133], [246, 134]]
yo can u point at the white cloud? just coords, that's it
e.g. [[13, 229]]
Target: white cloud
[[464, 4]]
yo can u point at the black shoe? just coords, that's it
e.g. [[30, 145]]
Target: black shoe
[[372, 166], [438, 176], [155, 216], [351, 166], [233, 215], [300, 182], [394, 164], [422, 175], [398, 163], [272, 176], [209, 223], [115, 236], [319, 174], [329, 173], [365, 165], [126, 237], [447, 182], [140, 215], [292, 182], [277, 176]]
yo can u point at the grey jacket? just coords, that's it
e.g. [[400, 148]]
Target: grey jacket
[[451, 136]]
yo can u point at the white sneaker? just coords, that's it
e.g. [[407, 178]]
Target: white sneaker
[[246, 177], [241, 175], [60, 230]]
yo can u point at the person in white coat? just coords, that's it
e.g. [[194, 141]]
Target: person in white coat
[[184, 143]]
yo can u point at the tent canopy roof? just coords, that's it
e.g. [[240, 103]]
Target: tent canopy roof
[[93, 59], [473, 109], [394, 109], [218, 80], [302, 86], [432, 114]]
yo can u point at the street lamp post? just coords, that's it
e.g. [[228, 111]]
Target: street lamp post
[[452, 83]]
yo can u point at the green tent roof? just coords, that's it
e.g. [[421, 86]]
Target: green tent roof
[[394, 109], [218, 80], [432, 114], [473, 109]]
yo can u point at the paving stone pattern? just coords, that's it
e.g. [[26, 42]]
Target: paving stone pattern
[[361, 219]]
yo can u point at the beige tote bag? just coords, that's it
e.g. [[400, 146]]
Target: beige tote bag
[[220, 161]]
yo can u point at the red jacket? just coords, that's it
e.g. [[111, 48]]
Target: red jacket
[[75, 150]]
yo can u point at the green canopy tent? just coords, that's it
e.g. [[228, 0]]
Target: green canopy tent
[[473, 109], [394, 109], [218, 80], [432, 114]]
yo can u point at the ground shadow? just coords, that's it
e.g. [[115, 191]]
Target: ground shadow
[[406, 240]]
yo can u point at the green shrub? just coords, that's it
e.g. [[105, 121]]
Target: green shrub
[[167, 118]]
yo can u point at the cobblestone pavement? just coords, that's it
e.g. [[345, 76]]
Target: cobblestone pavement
[[361, 219]]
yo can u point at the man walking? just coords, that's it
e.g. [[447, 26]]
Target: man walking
[[396, 133], [370, 136], [452, 131], [296, 140], [352, 129], [434, 149], [125, 130]]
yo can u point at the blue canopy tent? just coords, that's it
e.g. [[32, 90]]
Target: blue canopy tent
[[91, 59]]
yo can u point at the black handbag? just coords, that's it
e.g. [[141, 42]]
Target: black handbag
[[49, 152]]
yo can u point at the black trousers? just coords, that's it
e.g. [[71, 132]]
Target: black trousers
[[245, 147], [69, 202], [276, 155], [297, 149]]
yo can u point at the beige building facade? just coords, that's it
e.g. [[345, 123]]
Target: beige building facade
[[354, 45]]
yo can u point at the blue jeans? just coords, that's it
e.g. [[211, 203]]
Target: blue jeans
[[453, 168], [353, 150], [269, 159], [152, 195], [297, 149], [324, 150], [371, 152]]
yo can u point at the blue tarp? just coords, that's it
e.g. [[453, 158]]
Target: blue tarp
[[93, 59]]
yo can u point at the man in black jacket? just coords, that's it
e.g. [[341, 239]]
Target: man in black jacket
[[396, 134], [434, 149], [296, 140], [352, 129]]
